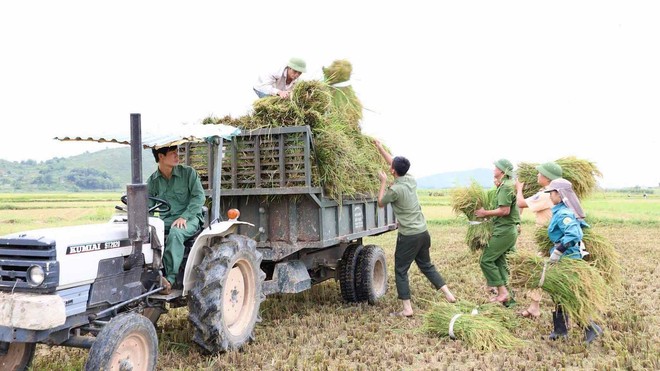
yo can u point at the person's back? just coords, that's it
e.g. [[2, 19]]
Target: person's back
[[413, 240], [406, 207]]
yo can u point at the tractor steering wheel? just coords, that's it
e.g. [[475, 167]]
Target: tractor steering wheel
[[160, 206]]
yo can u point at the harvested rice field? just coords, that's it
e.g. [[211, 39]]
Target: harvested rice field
[[314, 330]]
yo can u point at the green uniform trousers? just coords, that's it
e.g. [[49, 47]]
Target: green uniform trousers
[[174, 249], [413, 248], [493, 260]]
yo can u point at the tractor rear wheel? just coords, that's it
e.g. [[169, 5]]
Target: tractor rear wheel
[[18, 356], [127, 342], [371, 274], [224, 301], [346, 273]]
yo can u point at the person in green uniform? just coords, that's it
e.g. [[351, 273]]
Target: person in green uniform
[[505, 218], [413, 240], [181, 187]]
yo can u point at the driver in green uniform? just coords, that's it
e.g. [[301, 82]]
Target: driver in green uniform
[[181, 187]]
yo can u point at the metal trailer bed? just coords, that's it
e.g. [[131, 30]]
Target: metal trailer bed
[[269, 175]]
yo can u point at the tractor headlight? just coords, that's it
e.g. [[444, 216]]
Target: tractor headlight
[[35, 275]]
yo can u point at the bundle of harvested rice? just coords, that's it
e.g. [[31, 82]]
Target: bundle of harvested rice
[[495, 311], [581, 173], [477, 330], [602, 254], [346, 162], [466, 200], [542, 240], [345, 102], [574, 283]]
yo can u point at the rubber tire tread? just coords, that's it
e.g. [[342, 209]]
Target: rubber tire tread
[[364, 272], [204, 299], [113, 333], [346, 273], [25, 359]]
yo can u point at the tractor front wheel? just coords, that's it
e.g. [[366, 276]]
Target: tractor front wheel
[[16, 356], [127, 342]]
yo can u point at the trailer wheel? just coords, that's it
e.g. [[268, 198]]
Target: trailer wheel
[[127, 342], [346, 274], [18, 356], [371, 274], [224, 301]]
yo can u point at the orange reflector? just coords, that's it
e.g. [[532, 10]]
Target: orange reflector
[[233, 214]]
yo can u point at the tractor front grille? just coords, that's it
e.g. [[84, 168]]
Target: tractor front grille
[[17, 255]]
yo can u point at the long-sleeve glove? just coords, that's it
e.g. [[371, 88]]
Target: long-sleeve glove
[[555, 256]]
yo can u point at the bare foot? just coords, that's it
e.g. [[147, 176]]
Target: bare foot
[[527, 313], [401, 314], [448, 295], [499, 298]]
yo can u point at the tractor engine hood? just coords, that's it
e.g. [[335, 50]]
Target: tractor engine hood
[[77, 250]]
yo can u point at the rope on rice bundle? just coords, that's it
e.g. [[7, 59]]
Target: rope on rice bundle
[[478, 330], [573, 283], [495, 311]]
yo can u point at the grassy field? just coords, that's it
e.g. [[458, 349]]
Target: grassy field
[[314, 330]]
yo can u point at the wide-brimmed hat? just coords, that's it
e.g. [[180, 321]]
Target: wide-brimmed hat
[[297, 64], [550, 170], [558, 185]]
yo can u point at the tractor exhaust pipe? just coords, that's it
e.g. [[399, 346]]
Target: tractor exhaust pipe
[[136, 192]]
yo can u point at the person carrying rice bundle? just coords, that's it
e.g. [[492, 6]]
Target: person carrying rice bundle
[[505, 219], [541, 205], [565, 232], [413, 239]]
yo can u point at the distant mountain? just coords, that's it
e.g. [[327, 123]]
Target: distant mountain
[[456, 179], [108, 169]]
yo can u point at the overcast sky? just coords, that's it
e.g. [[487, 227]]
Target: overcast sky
[[450, 85]]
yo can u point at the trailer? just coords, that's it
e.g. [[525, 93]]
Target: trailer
[[281, 234]]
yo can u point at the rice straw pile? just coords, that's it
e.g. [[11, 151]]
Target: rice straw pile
[[479, 330], [581, 173], [602, 254], [466, 200], [495, 311], [574, 283], [346, 161]]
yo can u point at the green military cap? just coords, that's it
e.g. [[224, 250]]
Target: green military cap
[[550, 170], [297, 64], [505, 165]]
